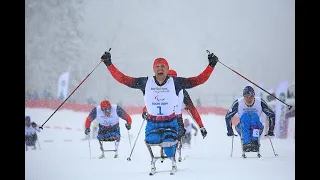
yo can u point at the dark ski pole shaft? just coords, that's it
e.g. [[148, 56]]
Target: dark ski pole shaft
[[41, 127], [253, 83], [275, 154], [129, 158]]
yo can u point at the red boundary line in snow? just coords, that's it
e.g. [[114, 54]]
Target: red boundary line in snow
[[62, 128]]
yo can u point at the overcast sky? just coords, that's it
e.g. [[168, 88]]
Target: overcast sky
[[253, 37]]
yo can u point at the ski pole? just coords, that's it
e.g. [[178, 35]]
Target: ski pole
[[41, 127], [129, 158], [89, 145], [38, 143], [272, 146], [232, 145], [129, 139], [253, 83]]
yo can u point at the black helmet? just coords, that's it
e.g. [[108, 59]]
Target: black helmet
[[248, 90], [27, 118]]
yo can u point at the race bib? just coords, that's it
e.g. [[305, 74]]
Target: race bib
[[255, 133]]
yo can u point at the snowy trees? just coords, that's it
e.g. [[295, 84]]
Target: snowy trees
[[52, 40]]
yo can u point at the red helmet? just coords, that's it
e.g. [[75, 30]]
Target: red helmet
[[105, 105], [172, 73], [160, 60]]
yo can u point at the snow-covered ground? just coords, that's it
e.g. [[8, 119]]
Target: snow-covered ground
[[64, 155]]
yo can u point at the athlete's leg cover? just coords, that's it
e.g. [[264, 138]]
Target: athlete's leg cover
[[109, 134], [243, 128], [158, 132], [35, 137], [249, 122], [153, 138], [30, 139], [255, 125]]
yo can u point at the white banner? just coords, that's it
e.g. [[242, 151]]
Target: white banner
[[63, 84], [280, 111]]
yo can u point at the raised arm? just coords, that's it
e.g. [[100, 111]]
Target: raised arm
[[136, 83], [187, 83]]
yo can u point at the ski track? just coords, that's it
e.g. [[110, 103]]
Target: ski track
[[206, 159]]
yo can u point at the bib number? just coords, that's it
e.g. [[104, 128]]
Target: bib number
[[255, 133], [159, 108]]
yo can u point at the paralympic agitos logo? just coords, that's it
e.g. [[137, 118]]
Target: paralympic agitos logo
[[158, 98]]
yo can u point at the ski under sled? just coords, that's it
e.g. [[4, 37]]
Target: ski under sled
[[107, 150], [162, 156], [244, 150]]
